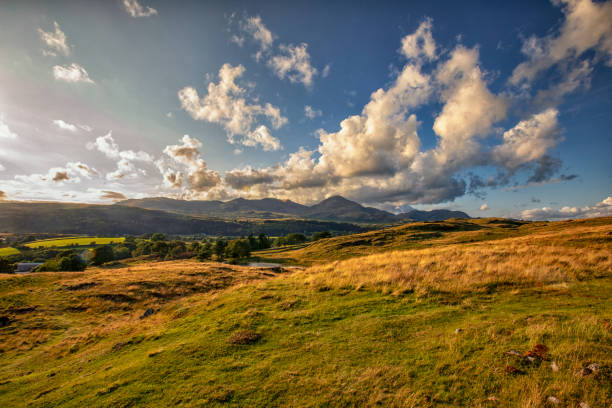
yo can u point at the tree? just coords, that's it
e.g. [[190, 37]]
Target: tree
[[238, 249], [158, 237], [294, 238], [263, 241], [160, 248], [102, 255], [122, 252], [320, 235], [205, 252], [6, 266], [219, 249], [71, 263]]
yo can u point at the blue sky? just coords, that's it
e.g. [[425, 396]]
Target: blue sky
[[495, 108]]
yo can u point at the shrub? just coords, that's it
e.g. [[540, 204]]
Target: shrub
[[6, 266], [102, 255]]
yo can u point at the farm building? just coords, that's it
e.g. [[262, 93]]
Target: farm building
[[25, 267]]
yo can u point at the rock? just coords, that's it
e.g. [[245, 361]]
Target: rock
[[457, 331], [584, 405], [492, 398], [554, 366], [553, 400], [530, 359], [514, 353], [4, 321], [583, 372], [594, 367], [147, 313]]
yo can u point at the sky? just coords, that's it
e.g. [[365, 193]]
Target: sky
[[491, 107]]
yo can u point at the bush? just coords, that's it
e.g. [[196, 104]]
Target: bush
[[158, 237], [320, 235], [6, 266], [122, 252], [102, 255], [71, 263], [205, 252], [295, 238], [238, 249]]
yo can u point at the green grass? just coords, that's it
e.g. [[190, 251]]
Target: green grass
[[78, 241], [8, 251], [76, 338]]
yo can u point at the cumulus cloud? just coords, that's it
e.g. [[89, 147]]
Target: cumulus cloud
[[288, 61], [260, 33], [376, 156], [5, 131], [226, 104], [586, 26], [55, 40], [470, 109], [311, 113], [529, 140], [420, 43], [484, 207], [126, 168], [187, 154], [71, 73], [134, 9], [601, 209], [112, 195], [293, 63], [72, 172]]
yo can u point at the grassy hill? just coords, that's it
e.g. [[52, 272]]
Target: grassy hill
[[414, 236], [461, 319], [116, 220]]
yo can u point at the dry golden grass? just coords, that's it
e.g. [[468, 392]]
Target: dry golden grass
[[41, 305], [539, 259]]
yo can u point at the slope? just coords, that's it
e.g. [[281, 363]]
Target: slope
[[425, 327]]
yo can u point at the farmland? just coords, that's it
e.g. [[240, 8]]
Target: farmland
[[8, 251], [74, 241]]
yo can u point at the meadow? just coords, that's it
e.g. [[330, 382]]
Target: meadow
[[469, 317], [8, 251], [74, 241]]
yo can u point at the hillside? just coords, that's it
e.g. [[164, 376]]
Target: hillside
[[334, 208], [508, 322], [18, 217], [413, 236]]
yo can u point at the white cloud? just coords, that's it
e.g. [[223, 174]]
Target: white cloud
[[484, 207], [134, 9], [260, 33], [286, 61], [326, 70], [64, 125], [226, 104], [5, 131], [293, 62], [375, 156], [601, 209], [124, 158], [469, 110], [311, 113], [71, 73], [55, 40], [261, 136], [586, 26], [529, 140], [71, 173], [187, 155], [420, 43]]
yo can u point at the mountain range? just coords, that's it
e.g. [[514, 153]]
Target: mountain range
[[334, 208]]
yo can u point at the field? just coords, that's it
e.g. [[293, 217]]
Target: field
[[460, 319], [74, 241], [8, 251]]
